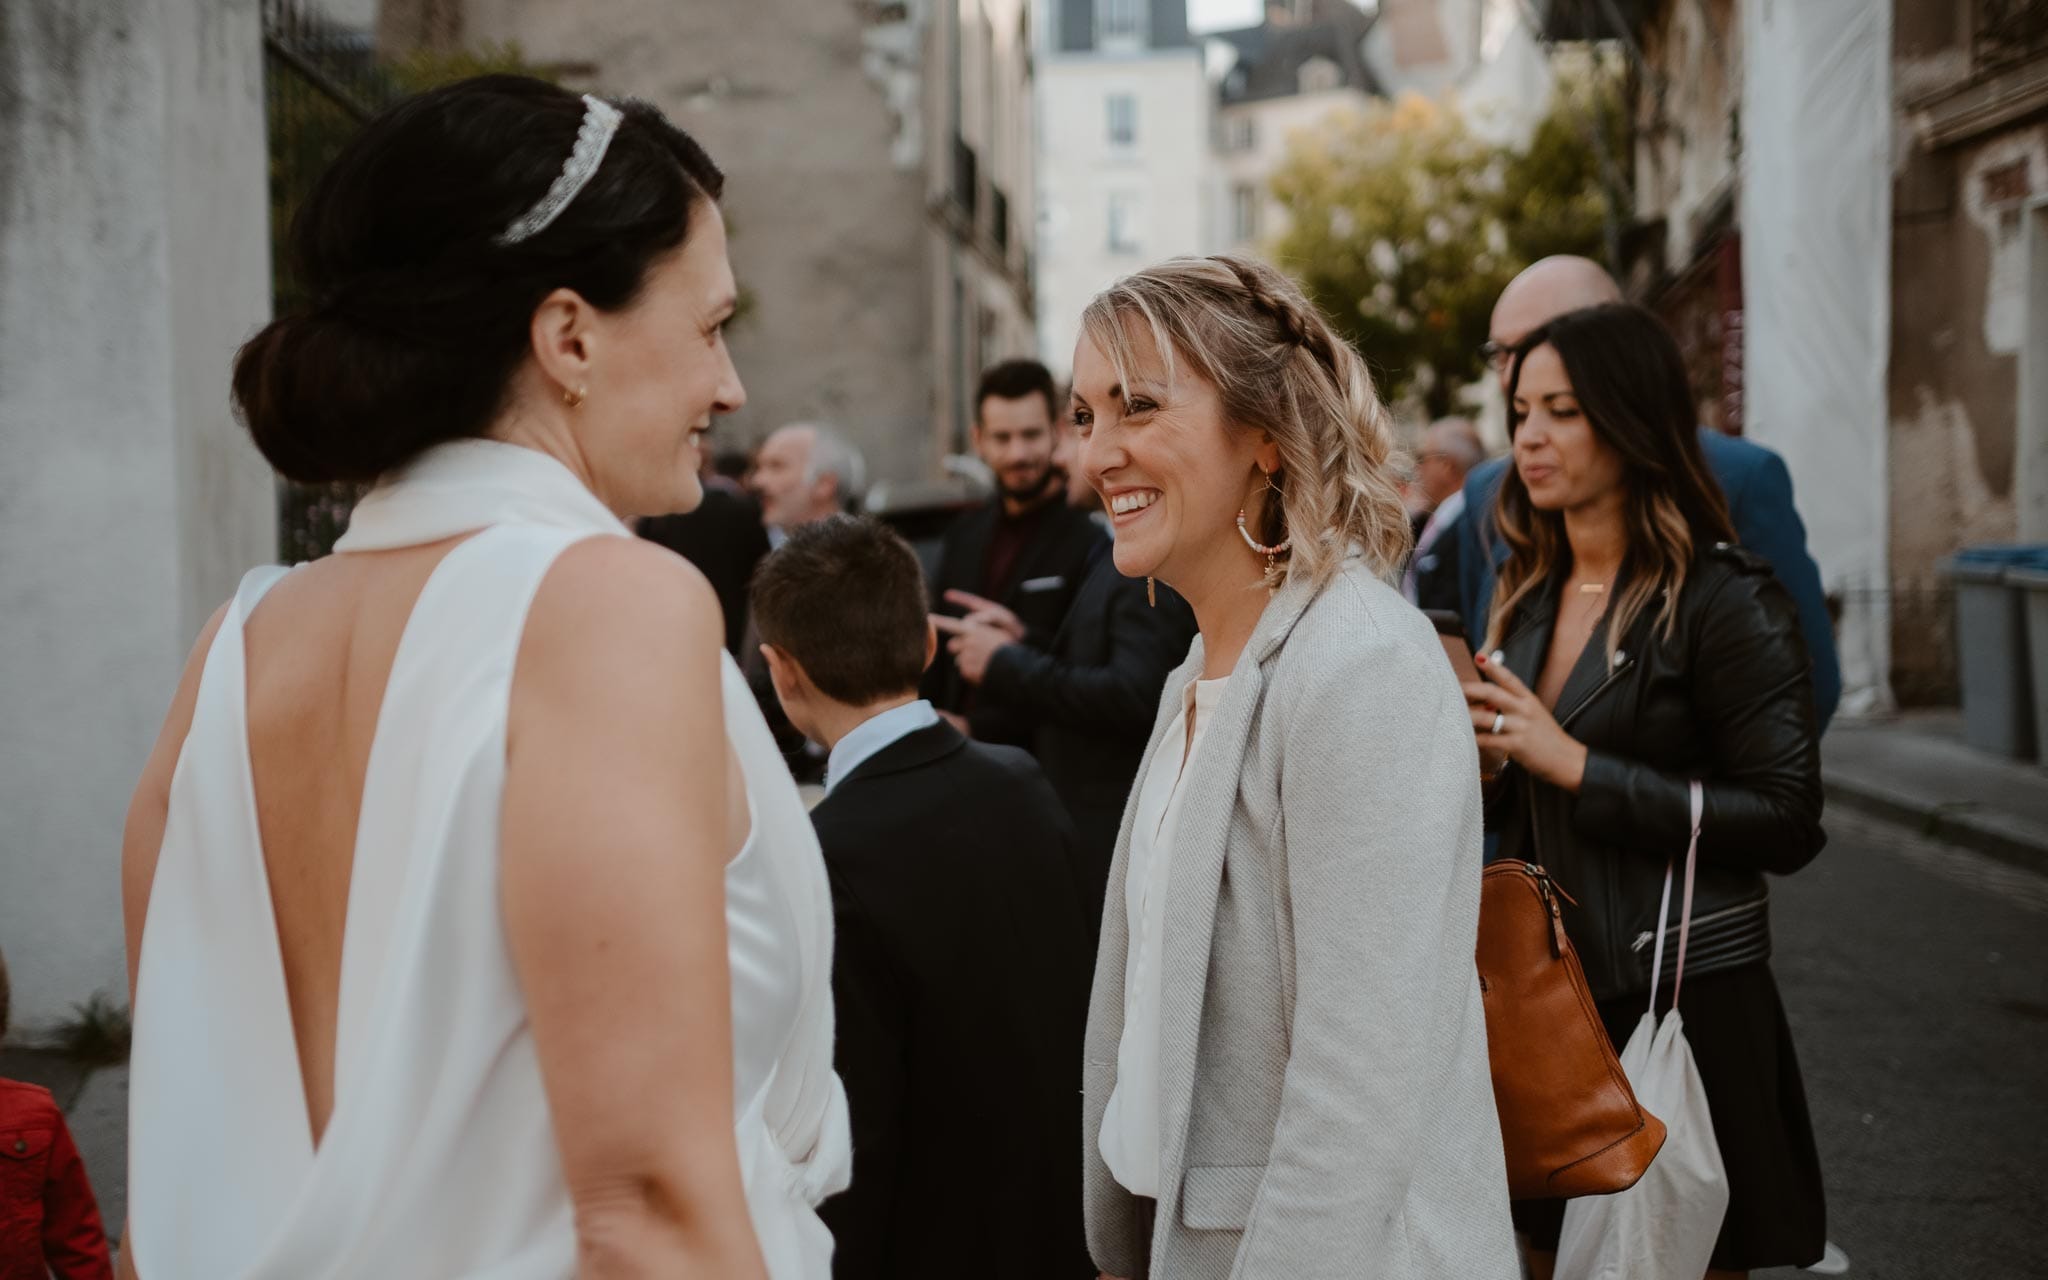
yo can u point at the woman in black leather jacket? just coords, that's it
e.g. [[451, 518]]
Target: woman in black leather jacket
[[1634, 648]]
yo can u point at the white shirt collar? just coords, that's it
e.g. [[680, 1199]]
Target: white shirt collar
[[876, 733]]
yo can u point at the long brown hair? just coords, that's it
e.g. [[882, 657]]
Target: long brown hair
[[1629, 379], [1276, 365]]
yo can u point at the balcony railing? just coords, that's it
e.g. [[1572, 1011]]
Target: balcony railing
[[2009, 31]]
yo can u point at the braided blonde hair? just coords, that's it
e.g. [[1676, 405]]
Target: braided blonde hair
[[1277, 366]]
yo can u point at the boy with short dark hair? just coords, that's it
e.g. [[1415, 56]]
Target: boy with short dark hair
[[962, 958]]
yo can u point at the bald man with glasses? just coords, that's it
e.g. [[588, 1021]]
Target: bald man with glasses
[[1754, 479]]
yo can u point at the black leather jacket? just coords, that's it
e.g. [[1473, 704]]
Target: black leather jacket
[[1724, 699]]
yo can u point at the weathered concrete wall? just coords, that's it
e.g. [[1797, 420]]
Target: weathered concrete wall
[[814, 114], [976, 86], [1687, 148], [1959, 273], [133, 260]]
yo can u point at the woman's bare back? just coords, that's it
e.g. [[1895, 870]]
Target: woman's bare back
[[320, 651]]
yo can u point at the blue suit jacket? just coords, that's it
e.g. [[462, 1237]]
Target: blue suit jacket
[[1759, 492]]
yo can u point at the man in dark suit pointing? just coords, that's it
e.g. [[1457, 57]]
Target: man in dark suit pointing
[[1026, 550], [962, 958]]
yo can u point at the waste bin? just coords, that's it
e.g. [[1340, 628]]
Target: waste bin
[[2031, 584], [1992, 655]]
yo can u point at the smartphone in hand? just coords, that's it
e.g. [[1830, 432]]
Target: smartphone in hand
[[1450, 632]]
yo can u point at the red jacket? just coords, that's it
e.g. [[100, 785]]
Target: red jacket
[[48, 1217]]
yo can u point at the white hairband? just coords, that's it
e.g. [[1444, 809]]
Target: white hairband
[[600, 121]]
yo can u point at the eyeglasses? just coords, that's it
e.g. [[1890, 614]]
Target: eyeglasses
[[1495, 355]]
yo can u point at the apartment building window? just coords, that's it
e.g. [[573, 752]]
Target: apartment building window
[[1123, 223], [1244, 212], [1120, 24], [966, 177], [1240, 133], [1123, 119]]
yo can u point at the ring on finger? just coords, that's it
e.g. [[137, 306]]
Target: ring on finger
[[1500, 721]]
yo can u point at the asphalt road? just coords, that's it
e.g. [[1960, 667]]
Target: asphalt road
[[1916, 979]]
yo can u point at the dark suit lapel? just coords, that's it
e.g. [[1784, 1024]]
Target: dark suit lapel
[[967, 551], [1527, 642], [1091, 601], [1043, 555]]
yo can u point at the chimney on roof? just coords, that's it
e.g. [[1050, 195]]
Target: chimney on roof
[[1287, 13]]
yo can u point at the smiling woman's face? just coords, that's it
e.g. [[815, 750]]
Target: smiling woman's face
[[1172, 473]]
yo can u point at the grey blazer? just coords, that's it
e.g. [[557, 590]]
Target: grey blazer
[[1325, 1103]]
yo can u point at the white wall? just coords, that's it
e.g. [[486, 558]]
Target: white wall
[[1165, 173], [134, 246], [1816, 225]]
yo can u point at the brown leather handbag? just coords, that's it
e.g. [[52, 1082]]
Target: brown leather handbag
[[1569, 1120]]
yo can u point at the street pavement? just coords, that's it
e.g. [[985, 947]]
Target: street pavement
[[1915, 975]]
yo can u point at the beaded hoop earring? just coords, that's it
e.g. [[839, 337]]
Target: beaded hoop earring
[[1259, 548]]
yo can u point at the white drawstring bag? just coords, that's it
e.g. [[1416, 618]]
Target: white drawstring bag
[[1664, 1227]]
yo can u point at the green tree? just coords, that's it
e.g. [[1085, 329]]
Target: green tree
[[1567, 191], [1404, 225]]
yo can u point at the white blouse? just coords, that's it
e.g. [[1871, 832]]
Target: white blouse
[[1130, 1124]]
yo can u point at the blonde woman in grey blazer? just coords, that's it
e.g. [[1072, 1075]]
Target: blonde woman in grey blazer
[[1286, 1072]]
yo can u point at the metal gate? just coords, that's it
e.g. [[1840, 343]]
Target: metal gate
[[320, 83]]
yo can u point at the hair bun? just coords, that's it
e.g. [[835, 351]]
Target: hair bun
[[423, 319], [308, 385]]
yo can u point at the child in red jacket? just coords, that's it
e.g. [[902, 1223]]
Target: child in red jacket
[[48, 1218]]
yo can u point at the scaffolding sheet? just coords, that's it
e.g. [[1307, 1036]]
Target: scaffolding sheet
[[1816, 275]]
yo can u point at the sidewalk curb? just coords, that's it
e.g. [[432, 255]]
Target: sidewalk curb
[[2014, 841]]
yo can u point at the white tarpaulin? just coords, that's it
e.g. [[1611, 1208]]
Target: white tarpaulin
[[1816, 282]]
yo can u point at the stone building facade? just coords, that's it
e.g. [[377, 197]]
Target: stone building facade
[[1968, 376], [879, 164]]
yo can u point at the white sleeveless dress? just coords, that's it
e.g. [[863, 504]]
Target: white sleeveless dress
[[438, 1161]]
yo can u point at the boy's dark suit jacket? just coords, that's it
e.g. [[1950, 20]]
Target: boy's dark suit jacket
[[960, 975]]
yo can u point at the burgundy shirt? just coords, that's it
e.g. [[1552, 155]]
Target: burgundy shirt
[[48, 1217], [1006, 546]]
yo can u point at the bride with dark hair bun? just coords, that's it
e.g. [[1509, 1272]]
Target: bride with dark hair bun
[[475, 926]]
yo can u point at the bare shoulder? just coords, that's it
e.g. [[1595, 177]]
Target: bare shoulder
[[149, 809], [622, 595], [178, 721]]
